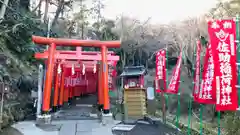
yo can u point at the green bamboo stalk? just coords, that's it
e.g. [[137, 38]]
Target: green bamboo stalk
[[189, 116], [178, 110], [219, 120], [201, 119], [238, 54], [191, 98]]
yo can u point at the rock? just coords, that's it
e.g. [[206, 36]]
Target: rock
[[10, 131], [26, 83]]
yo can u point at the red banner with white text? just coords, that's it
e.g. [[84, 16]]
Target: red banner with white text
[[207, 93], [160, 70], [197, 72], [175, 77], [222, 36]]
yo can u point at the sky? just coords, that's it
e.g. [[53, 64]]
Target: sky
[[160, 11]]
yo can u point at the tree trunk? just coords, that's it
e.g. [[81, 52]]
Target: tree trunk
[[140, 56], [39, 8], [82, 29], [133, 54], [3, 9], [58, 11], [123, 59], [45, 18]]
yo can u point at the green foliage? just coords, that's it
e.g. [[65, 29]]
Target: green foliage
[[231, 123], [17, 27]]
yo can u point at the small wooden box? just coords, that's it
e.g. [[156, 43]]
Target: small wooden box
[[135, 102]]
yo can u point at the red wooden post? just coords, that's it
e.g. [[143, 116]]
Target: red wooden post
[[48, 82], [106, 105], [70, 94], [66, 94], [61, 99], [100, 87], [56, 89]]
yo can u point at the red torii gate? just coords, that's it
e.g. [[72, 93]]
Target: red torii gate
[[63, 55], [77, 55], [53, 42]]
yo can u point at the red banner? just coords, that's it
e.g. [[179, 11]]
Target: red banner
[[196, 88], [222, 36], [74, 80], [114, 72], [160, 70], [207, 93], [175, 78]]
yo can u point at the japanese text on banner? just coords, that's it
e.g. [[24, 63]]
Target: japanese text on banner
[[160, 70], [197, 72], [222, 36], [175, 78], [207, 94]]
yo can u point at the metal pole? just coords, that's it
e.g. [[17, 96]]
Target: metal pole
[[238, 54], [165, 96], [3, 89], [44, 77], [191, 97], [40, 83]]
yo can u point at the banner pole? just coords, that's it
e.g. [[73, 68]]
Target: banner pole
[[165, 95], [189, 116], [201, 119], [201, 105], [238, 55], [218, 121], [179, 93], [178, 110], [191, 97]]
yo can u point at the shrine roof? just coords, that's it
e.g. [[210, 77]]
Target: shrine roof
[[134, 71]]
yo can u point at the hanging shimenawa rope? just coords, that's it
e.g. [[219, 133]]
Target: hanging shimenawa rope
[[191, 97]]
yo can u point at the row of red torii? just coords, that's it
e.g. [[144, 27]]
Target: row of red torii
[[65, 66]]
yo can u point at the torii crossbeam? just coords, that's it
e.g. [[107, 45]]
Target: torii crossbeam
[[72, 55]]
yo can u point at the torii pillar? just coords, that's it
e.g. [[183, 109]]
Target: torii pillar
[[53, 42]]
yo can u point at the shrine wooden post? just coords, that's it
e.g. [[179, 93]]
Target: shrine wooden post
[[56, 87], [53, 42]]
